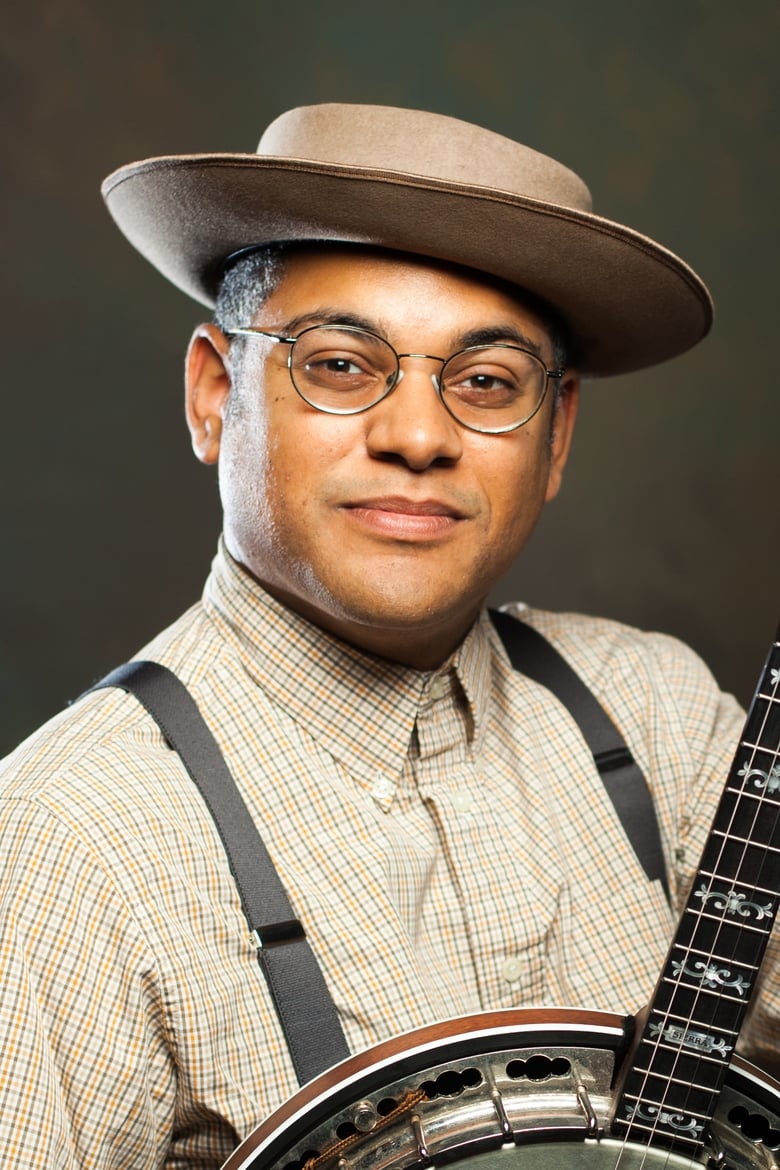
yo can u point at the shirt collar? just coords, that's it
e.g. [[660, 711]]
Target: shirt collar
[[361, 709]]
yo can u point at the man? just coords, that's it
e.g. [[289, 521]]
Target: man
[[405, 304]]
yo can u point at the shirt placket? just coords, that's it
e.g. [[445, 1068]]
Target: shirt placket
[[499, 934]]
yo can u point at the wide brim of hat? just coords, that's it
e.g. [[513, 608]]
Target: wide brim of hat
[[628, 302]]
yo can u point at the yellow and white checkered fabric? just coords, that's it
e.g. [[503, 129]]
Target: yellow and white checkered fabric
[[444, 838]]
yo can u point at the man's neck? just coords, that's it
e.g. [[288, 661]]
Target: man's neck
[[425, 646]]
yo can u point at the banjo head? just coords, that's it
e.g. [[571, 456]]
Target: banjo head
[[517, 1090]]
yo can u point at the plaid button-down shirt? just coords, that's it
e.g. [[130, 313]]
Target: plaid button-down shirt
[[443, 836]]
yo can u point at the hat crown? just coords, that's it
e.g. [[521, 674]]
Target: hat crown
[[415, 142]]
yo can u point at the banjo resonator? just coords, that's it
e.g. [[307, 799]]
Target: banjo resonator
[[519, 1090]]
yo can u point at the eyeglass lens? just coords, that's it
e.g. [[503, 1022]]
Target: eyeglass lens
[[342, 370]]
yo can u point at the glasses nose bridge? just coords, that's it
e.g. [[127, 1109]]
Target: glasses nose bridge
[[432, 357]]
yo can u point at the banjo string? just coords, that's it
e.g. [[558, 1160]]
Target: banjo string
[[698, 993]]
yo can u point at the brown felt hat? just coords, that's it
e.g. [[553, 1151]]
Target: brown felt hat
[[423, 183]]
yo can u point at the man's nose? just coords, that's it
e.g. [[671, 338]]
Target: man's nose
[[412, 424]]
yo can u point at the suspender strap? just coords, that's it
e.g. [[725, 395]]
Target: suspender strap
[[531, 654], [303, 1003]]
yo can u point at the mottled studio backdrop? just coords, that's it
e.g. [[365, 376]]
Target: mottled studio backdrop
[[669, 109]]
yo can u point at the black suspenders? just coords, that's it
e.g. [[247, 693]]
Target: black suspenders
[[306, 1011], [533, 655]]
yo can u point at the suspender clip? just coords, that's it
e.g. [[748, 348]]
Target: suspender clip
[[276, 933]]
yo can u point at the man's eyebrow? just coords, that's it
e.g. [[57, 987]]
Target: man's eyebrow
[[495, 334], [326, 316]]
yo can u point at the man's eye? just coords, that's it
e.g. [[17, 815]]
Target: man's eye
[[340, 365], [484, 387], [347, 370], [485, 382]]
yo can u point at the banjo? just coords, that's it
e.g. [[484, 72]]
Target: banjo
[[543, 1089]]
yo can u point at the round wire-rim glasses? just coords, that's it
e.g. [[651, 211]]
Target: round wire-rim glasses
[[343, 369]]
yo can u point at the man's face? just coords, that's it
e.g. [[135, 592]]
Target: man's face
[[387, 528]]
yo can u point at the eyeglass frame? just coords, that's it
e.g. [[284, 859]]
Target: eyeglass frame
[[253, 331]]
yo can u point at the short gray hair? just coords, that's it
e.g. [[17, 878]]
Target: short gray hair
[[247, 284]]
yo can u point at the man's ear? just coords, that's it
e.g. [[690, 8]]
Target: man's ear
[[562, 431], [207, 383]]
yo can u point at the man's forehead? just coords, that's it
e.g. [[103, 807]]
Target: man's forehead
[[345, 253], [368, 287]]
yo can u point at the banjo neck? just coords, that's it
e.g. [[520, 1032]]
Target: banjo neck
[[670, 1092]]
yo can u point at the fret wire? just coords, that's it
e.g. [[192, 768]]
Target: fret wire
[[743, 840], [761, 797], [758, 890], [696, 953], [677, 1140], [763, 748], [705, 997], [710, 993], [717, 1063], [680, 1050], [685, 1019], [662, 1104], [681, 1142], [705, 915], [700, 989]]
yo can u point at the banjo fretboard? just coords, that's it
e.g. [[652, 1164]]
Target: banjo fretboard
[[671, 1090]]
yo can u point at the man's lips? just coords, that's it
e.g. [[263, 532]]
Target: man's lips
[[409, 507], [403, 517]]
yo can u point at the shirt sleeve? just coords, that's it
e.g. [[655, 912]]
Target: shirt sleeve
[[87, 1067]]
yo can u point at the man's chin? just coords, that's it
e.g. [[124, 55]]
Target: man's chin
[[403, 625]]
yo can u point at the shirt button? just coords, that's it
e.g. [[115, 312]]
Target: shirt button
[[440, 686], [512, 969], [462, 800], [383, 789]]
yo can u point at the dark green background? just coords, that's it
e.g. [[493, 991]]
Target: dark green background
[[668, 518]]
